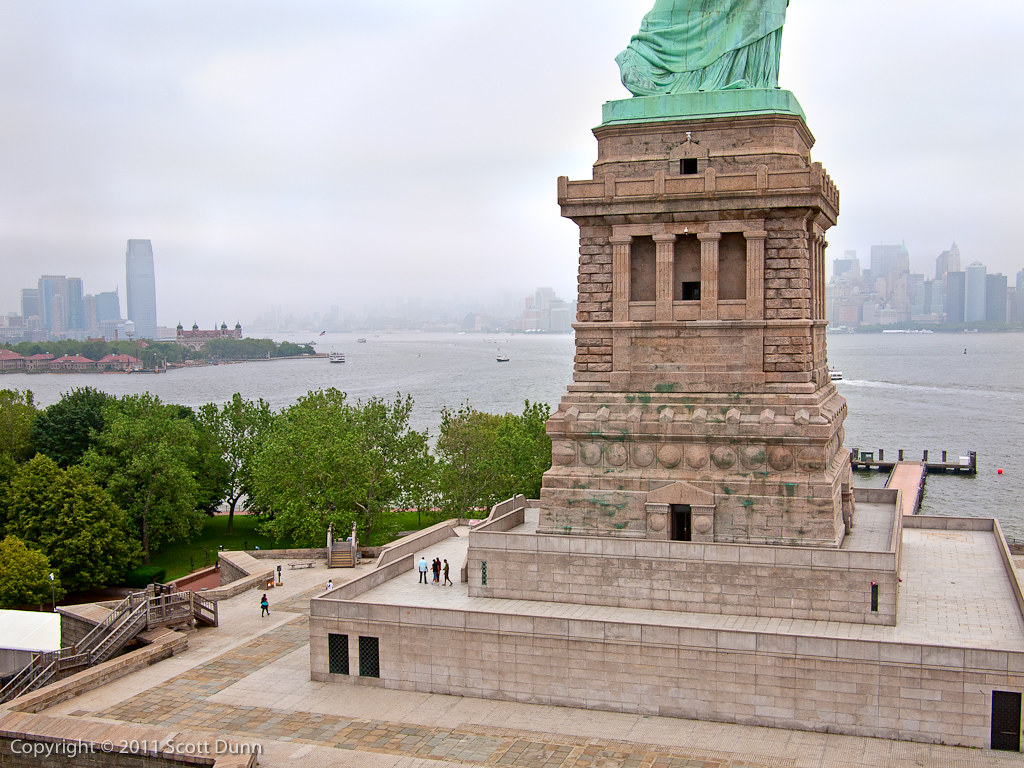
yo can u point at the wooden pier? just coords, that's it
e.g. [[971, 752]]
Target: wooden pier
[[878, 460], [907, 477]]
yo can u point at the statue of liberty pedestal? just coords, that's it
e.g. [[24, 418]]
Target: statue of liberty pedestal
[[686, 46]]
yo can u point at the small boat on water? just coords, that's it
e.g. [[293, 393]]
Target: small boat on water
[[835, 375], [336, 357], [360, 340], [502, 357]]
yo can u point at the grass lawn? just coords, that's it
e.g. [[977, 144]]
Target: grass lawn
[[182, 558]]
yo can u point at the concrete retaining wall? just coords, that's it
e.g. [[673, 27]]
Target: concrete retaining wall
[[314, 553], [239, 573], [888, 690], [417, 542], [735, 579]]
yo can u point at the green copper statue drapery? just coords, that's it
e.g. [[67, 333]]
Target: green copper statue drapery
[[685, 46]]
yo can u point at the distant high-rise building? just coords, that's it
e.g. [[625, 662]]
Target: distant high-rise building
[[888, 262], [30, 303], [141, 284], [53, 302], [956, 296], [975, 305], [108, 307], [995, 298], [846, 269], [76, 310], [947, 261]]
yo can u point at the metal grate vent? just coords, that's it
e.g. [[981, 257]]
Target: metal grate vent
[[337, 654], [369, 657]]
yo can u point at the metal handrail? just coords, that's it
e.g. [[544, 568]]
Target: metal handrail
[[125, 619]]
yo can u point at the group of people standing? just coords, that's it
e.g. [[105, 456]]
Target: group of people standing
[[437, 568]]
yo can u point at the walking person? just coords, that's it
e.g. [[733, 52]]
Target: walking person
[[436, 568], [422, 565], [264, 606], [447, 581]]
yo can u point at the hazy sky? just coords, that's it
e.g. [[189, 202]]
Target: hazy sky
[[304, 153]]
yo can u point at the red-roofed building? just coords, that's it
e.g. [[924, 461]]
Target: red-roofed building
[[119, 363], [39, 362], [11, 361], [75, 363]]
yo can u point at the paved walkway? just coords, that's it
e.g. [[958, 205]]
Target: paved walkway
[[249, 679]]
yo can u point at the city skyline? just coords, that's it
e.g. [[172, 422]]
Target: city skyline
[[337, 192]]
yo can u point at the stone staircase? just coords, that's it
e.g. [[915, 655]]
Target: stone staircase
[[138, 612], [341, 556]]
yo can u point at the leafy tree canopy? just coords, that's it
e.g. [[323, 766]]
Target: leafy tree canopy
[[147, 457], [63, 431], [484, 458], [239, 426], [25, 576], [327, 461], [66, 514], [17, 415]]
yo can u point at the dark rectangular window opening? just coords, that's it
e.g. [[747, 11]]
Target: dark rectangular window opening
[[688, 166], [337, 654], [874, 598], [681, 519], [369, 657], [691, 291], [1006, 720]]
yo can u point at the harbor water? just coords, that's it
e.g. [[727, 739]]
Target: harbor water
[[935, 392]]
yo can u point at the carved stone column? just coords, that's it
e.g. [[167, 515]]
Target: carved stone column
[[620, 278], [709, 275], [666, 256], [755, 275]]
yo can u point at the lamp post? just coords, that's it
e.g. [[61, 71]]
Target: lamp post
[[53, 594]]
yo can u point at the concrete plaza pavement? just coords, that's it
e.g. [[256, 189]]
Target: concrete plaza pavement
[[248, 679]]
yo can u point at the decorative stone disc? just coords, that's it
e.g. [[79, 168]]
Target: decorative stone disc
[[753, 457], [616, 454], [590, 453], [656, 523], [696, 457], [702, 524], [810, 460], [670, 455], [563, 453], [643, 455], [724, 457], [780, 458]]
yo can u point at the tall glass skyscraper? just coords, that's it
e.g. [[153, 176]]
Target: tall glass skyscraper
[[141, 283]]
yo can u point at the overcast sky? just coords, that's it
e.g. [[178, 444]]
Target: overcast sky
[[304, 153]]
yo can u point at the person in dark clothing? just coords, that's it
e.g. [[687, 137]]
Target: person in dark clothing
[[264, 606]]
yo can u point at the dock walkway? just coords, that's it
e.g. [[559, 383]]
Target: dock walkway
[[908, 478]]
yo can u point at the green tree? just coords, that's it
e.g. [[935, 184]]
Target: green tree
[[65, 430], [327, 461], [524, 450], [67, 515], [17, 414], [484, 458], [25, 576], [468, 474], [145, 458], [209, 467], [240, 427]]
